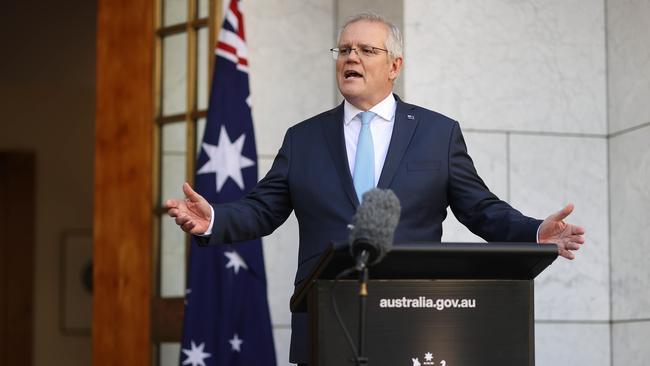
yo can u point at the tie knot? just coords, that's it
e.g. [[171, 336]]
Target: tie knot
[[366, 117]]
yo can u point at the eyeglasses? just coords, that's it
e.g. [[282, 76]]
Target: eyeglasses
[[362, 51]]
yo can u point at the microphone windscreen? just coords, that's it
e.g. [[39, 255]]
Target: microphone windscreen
[[375, 221]]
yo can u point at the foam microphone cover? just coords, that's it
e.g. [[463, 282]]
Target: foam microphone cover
[[373, 226]]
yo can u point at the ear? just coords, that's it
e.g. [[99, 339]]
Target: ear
[[395, 68]]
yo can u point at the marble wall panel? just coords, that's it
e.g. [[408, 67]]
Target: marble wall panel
[[546, 173], [628, 63], [392, 10], [490, 155], [489, 151], [281, 261], [629, 156], [291, 68], [455, 232], [571, 344], [509, 65], [282, 340], [630, 343]]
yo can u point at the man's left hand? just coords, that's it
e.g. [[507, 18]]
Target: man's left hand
[[567, 237]]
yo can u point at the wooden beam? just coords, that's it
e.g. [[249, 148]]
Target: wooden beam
[[123, 183], [167, 319]]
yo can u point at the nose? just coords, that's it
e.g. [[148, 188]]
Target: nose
[[353, 56]]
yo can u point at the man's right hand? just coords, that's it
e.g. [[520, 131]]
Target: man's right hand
[[193, 214]]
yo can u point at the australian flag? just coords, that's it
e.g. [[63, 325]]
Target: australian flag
[[227, 319]]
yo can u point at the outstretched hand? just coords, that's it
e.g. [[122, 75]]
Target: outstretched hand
[[567, 237], [193, 214]]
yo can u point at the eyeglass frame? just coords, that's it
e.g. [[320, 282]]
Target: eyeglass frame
[[366, 51]]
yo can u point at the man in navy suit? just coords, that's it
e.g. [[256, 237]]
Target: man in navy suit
[[417, 153]]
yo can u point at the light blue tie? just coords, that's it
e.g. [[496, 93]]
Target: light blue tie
[[364, 161]]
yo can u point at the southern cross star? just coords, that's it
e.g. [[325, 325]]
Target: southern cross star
[[235, 261], [195, 355], [235, 343]]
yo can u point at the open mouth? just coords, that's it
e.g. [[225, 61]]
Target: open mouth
[[349, 74]]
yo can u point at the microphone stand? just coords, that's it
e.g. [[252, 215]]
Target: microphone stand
[[363, 295]]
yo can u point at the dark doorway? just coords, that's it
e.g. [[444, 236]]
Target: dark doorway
[[17, 218]]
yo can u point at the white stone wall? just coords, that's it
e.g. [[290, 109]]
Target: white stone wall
[[291, 79], [527, 81], [628, 54]]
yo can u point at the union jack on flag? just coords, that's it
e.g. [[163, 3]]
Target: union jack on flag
[[227, 319]]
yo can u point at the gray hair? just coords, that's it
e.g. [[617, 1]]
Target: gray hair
[[394, 42]]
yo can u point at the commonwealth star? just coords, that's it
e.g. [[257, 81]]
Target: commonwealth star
[[226, 160]]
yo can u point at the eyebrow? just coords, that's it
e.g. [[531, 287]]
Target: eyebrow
[[346, 45]]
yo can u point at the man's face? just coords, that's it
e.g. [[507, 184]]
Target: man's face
[[365, 80]]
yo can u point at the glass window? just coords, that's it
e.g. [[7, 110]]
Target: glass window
[[183, 68], [174, 77], [204, 8], [200, 130], [170, 354], [202, 78], [174, 12]]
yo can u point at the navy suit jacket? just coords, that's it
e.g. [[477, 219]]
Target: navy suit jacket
[[427, 166]]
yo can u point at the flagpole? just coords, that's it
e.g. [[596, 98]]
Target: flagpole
[[216, 10]]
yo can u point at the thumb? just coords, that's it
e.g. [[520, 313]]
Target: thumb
[[190, 193], [563, 213]]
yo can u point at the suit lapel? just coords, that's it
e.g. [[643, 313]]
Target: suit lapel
[[405, 123], [333, 129]]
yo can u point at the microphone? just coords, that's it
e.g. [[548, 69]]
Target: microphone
[[373, 227]]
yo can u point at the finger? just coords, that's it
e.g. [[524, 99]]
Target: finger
[[573, 239], [567, 254], [577, 230], [188, 226], [577, 239], [190, 193], [563, 213], [182, 219], [572, 246], [173, 212], [171, 203]]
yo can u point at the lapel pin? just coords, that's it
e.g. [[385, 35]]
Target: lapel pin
[[410, 116]]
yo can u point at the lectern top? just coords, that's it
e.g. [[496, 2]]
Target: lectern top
[[502, 261]]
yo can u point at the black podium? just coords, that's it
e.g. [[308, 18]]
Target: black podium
[[449, 304]]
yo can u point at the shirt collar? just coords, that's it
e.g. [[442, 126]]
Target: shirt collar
[[384, 109]]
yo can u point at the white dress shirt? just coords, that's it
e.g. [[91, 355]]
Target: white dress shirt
[[381, 127]]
